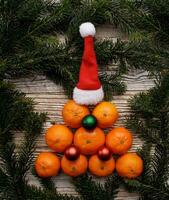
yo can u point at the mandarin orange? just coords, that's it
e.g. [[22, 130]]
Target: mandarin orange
[[89, 141], [47, 164], [129, 165], [106, 114], [76, 167], [58, 138], [101, 168], [119, 140], [73, 113]]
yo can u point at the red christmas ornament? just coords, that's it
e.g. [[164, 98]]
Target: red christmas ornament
[[72, 153], [104, 153]]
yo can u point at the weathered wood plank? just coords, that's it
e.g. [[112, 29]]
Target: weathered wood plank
[[50, 98]]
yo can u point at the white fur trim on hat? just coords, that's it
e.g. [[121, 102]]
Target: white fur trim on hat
[[87, 29], [88, 97]]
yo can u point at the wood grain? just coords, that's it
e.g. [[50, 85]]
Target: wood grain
[[50, 98]]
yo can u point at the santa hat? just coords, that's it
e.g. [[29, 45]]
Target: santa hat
[[88, 90]]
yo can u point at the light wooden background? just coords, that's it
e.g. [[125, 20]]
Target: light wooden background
[[50, 98]]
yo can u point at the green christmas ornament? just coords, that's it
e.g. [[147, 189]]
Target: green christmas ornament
[[89, 122]]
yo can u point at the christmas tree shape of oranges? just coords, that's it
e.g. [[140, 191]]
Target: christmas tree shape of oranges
[[89, 147]]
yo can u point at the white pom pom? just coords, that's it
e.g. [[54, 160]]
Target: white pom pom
[[87, 29]]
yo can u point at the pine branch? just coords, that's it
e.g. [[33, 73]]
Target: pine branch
[[29, 45], [145, 189], [34, 193], [111, 186], [150, 114], [158, 10], [36, 51], [16, 162], [112, 83], [102, 11], [89, 189]]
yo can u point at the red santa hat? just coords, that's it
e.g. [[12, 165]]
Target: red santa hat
[[88, 90]]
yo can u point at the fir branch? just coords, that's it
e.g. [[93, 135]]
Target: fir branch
[[60, 62], [159, 15], [16, 162], [89, 189], [150, 114], [34, 193], [41, 18], [102, 11], [113, 83], [148, 191], [26, 47]]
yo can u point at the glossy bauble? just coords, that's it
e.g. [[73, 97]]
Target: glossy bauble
[[72, 153], [89, 122], [104, 153]]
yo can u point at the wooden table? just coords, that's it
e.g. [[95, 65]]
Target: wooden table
[[50, 98]]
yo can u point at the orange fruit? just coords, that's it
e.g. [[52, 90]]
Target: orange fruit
[[47, 164], [89, 141], [106, 114], [119, 140], [129, 165], [76, 167], [73, 113], [58, 138], [101, 168]]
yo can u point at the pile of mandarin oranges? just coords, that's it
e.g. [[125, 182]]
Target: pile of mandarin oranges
[[82, 144]]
